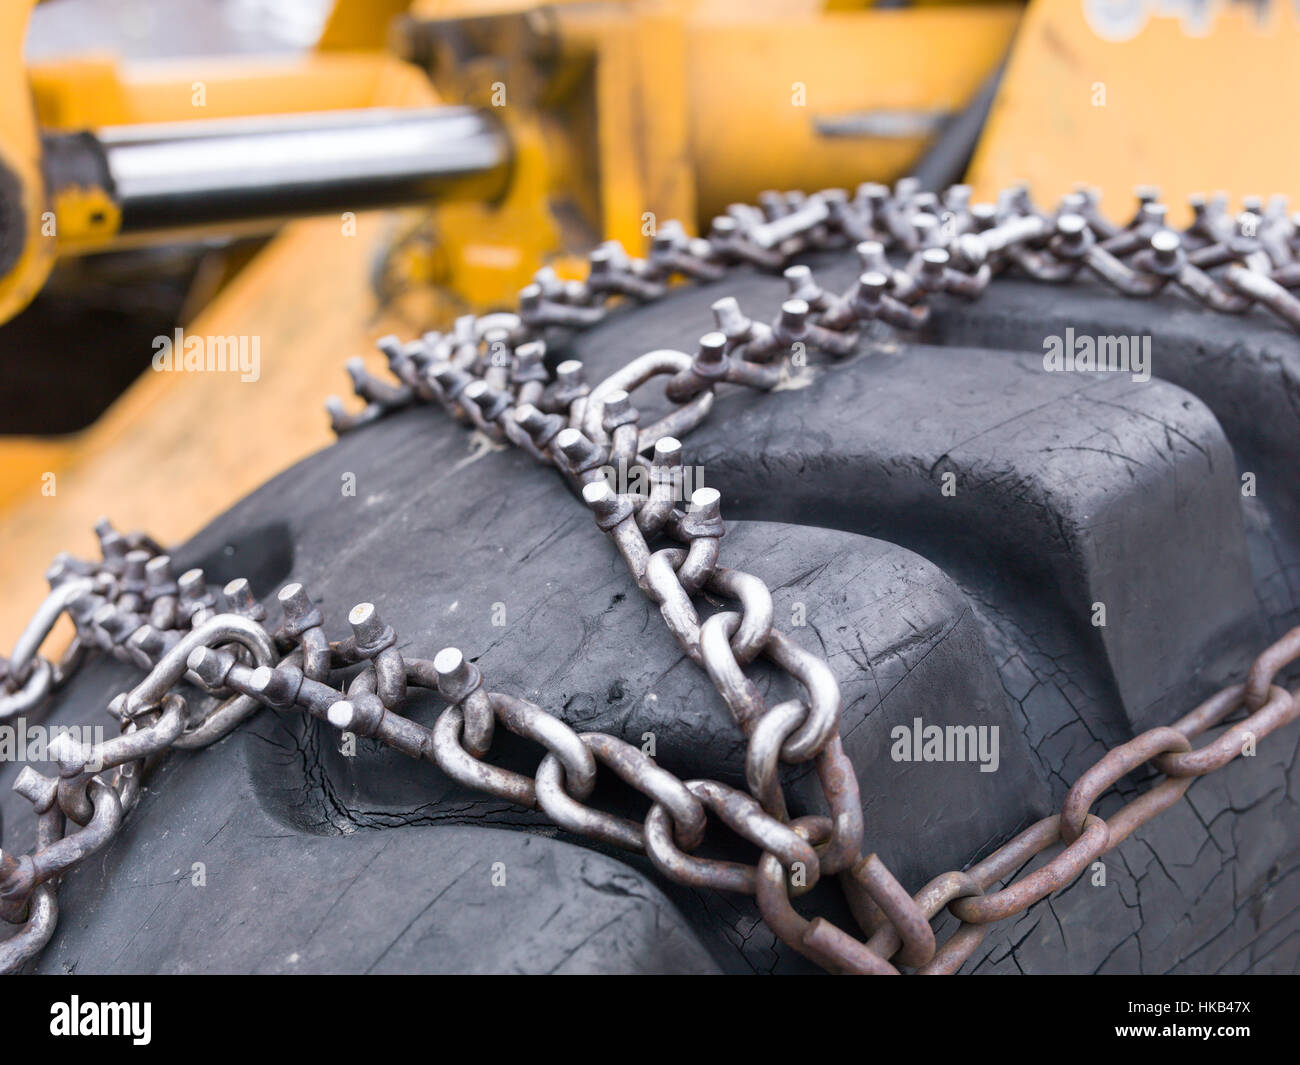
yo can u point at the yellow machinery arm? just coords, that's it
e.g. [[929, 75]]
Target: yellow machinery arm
[[614, 111]]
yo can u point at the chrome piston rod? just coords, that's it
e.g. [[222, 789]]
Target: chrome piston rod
[[228, 172]]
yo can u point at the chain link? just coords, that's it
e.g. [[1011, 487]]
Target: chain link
[[489, 372]]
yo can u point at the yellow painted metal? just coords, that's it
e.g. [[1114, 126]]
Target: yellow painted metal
[[178, 448], [1161, 101], [758, 87], [686, 108], [91, 92], [27, 465], [359, 23], [83, 93], [702, 103], [20, 156], [87, 92], [468, 256], [86, 217], [481, 254], [643, 132]]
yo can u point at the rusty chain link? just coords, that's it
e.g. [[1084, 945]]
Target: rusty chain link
[[489, 372]]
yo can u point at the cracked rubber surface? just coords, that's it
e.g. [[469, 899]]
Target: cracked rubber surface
[[974, 608]]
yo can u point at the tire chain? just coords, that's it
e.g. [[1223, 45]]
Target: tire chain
[[489, 372]]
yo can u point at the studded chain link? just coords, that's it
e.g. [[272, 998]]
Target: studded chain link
[[490, 373]]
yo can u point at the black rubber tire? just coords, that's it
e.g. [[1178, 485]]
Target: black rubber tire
[[973, 608]]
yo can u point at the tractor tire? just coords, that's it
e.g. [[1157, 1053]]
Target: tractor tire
[[963, 599]]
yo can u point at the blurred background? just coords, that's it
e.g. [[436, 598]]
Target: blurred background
[[316, 173], [145, 29]]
